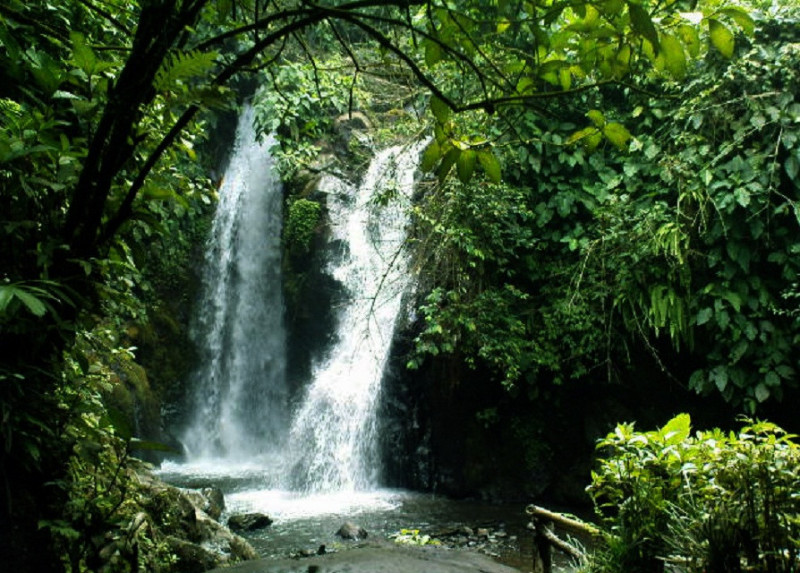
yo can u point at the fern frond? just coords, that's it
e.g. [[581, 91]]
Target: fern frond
[[182, 66]]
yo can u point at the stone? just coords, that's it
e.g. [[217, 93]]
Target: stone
[[198, 540], [350, 530], [249, 521], [208, 499], [190, 557], [482, 532], [215, 501], [351, 121]]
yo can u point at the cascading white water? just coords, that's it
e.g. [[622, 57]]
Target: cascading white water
[[240, 394], [328, 443], [332, 441]]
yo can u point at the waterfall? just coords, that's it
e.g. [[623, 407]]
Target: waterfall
[[240, 394], [328, 441], [333, 436]]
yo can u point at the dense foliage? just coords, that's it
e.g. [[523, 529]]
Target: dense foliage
[[103, 108], [681, 248], [713, 501]]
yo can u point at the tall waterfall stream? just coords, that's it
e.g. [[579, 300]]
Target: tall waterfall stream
[[313, 464]]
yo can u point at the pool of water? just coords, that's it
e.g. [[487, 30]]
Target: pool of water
[[305, 521]]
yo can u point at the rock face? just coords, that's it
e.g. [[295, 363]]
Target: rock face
[[196, 538], [350, 530], [249, 521]]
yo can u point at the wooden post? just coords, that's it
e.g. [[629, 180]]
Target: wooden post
[[542, 558]]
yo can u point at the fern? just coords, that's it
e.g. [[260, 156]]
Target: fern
[[182, 66]]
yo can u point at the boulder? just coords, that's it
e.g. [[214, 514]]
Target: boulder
[[198, 541], [215, 501], [249, 521], [190, 557], [350, 530], [209, 499]]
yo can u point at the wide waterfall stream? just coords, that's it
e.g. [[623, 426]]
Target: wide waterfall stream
[[311, 465]]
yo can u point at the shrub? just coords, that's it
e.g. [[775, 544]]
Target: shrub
[[711, 502]]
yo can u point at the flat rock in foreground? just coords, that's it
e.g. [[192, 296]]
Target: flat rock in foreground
[[379, 558]]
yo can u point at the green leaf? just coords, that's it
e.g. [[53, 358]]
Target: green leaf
[[441, 111], [82, 54], [430, 157], [721, 37], [677, 429], [433, 52], [490, 164], [182, 66], [674, 56], [742, 196], [565, 78], [643, 25], [690, 38], [719, 376], [465, 165], [791, 166], [447, 163], [6, 294], [617, 134], [31, 302], [772, 379], [704, 316], [762, 392], [741, 17], [597, 117]]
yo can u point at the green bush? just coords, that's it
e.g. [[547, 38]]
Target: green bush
[[301, 223], [711, 502]]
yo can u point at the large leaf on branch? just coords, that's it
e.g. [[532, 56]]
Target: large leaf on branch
[[721, 37], [643, 24], [490, 165], [674, 57], [465, 165]]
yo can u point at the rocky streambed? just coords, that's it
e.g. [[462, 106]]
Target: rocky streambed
[[389, 530]]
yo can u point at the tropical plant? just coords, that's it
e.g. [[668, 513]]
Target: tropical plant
[[709, 502]]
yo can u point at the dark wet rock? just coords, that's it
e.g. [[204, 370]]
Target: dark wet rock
[[209, 499], [350, 530], [190, 557], [198, 541], [249, 521], [215, 501]]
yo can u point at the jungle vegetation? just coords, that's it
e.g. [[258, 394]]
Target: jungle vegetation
[[605, 178]]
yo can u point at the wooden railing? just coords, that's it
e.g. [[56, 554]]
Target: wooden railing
[[544, 538]]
